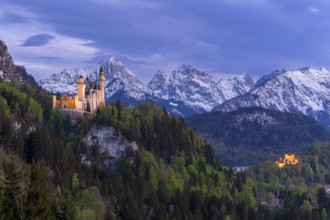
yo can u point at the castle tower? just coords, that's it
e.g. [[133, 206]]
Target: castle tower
[[101, 83], [54, 101], [81, 88]]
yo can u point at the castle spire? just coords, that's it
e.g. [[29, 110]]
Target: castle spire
[[101, 84]]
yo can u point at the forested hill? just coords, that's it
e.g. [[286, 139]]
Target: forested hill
[[297, 191], [171, 174], [248, 135]]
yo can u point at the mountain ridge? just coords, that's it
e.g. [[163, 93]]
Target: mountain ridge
[[191, 95], [306, 90]]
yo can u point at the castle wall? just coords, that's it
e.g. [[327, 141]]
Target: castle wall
[[71, 104], [74, 114]]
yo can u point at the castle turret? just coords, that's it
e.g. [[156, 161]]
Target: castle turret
[[54, 101], [101, 84], [76, 103], [81, 88]]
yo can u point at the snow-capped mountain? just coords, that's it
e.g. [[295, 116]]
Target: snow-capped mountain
[[186, 91], [306, 90], [66, 80], [196, 88], [119, 79], [122, 81]]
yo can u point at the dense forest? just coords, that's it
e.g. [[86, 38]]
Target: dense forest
[[250, 135], [174, 174]]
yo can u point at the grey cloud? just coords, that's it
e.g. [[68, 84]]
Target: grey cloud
[[37, 40]]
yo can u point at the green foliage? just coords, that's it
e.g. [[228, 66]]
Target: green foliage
[[21, 105], [19, 115], [90, 205], [298, 187], [11, 191], [40, 198]]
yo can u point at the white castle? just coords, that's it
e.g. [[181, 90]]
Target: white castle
[[89, 97]]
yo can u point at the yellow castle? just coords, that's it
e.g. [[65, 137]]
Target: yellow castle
[[289, 159], [89, 97]]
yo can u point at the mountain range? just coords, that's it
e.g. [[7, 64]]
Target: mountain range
[[184, 91], [187, 91], [306, 91]]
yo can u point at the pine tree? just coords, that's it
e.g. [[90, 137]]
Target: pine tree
[[39, 198], [10, 206], [118, 106]]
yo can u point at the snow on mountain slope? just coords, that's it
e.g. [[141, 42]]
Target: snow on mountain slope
[[123, 80], [196, 88], [65, 81], [186, 91], [118, 79], [306, 91]]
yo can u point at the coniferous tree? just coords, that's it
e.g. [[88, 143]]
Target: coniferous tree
[[118, 106], [39, 198], [10, 206]]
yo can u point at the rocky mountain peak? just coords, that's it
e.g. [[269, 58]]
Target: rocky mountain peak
[[304, 69], [121, 80], [196, 88], [188, 70], [267, 77], [116, 68], [10, 72]]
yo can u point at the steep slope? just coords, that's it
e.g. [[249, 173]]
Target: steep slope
[[306, 90], [121, 80], [9, 72], [248, 135], [196, 88]]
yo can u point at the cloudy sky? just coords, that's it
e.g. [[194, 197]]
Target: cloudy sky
[[218, 36]]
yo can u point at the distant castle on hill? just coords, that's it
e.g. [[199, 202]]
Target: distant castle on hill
[[89, 97], [289, 159]]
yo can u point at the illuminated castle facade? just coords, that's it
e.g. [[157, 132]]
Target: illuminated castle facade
[[90, 96], [289, 159]]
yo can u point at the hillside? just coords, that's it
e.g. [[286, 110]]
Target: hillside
[[249, 135], [302, 187]]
